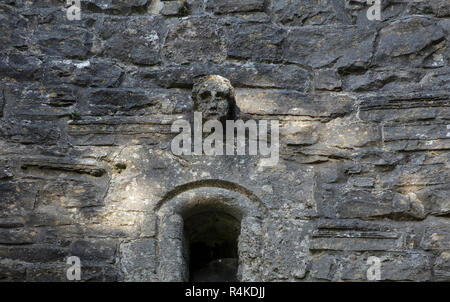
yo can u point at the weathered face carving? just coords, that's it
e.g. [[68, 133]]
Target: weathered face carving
[[214, 97]]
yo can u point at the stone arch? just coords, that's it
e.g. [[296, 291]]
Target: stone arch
[[201, 197]]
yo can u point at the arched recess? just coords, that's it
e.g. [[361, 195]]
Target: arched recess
[[201, 201]]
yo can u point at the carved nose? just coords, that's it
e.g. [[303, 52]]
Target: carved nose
[[213, 97]]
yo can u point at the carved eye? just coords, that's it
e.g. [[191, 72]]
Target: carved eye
[[205, 95], [221, 94]]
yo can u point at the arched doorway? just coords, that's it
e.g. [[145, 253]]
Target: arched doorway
[[212, 241], [209, 234]]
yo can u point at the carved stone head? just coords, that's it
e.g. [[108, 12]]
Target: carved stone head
[[214, 97]]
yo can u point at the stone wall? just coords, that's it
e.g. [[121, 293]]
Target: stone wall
[[364, 108]]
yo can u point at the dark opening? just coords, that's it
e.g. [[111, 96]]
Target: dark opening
[[212, 239]]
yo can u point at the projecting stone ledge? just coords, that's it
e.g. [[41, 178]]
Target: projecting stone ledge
[[356, 235], [287, 102], [62, 165]]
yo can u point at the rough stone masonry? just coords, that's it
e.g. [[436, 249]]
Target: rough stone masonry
[[86, 168]]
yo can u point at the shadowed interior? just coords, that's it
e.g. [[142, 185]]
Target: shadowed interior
[[212, 238]]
